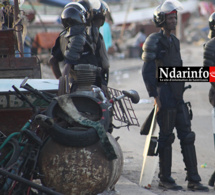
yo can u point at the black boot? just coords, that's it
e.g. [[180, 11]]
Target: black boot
[[189, 154], [166, 181], [197, 186], [169, 185], [212, 180]]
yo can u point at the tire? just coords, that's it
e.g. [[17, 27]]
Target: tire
[[13, 145], [75, 137], [78, 135]]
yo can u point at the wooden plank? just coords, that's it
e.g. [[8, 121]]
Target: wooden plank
[[7, 42], [18, 73], [12, 67]]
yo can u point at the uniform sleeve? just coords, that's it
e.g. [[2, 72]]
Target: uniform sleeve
[[151, 48], [149, 78], [209, 60], [56, 50]]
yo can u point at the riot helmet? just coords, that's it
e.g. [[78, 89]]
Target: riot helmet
[[72, 15], [105, 8], [167, 7], [211, 20], [96, 6], [89, 14]]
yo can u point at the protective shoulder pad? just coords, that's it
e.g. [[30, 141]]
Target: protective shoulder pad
[[209, 53], [150, 47]]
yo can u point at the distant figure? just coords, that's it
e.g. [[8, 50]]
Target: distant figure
[[27, 48], [140, 38]]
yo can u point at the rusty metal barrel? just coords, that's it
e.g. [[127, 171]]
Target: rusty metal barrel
[[79, 170]]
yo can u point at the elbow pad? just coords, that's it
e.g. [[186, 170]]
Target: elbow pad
[[75, 47]]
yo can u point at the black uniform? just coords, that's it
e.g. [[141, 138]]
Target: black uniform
[[100, 54], [158, 50], [80, 48], [209, 60]]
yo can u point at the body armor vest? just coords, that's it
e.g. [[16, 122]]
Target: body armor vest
[[170, 52], [165, 53], [172, 58]]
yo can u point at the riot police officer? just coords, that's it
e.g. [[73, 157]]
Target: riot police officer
[[100, 10], [209, 60], [76, 52], [72, 43], [163, 49]]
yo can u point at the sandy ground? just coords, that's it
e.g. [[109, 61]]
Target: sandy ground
[[125, 75]]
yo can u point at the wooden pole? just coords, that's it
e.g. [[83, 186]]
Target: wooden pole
[[125, 20], [18, 28]]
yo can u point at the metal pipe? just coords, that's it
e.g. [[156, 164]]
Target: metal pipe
[[29, 183]]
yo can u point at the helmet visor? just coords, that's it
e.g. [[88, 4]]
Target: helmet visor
[[75, 3], [106, 6], [170, 5]]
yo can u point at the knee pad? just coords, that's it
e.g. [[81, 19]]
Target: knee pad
[[189, 139], [166, 145], [170, 139]]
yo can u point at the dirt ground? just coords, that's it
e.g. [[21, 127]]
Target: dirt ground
[[125, 74]]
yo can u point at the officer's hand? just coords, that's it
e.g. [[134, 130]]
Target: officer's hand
[[158, 103]]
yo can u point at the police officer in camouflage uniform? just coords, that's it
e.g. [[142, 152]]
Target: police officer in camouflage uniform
[[163, 49], [209, 60]]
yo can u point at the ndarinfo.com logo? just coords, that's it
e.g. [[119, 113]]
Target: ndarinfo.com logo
[[185, 74]]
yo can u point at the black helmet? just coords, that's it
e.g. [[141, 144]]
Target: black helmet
[[72, 15], [212, 21], [159, 17], [96, 6], [104, 8], [211, 25], [89, 14], [165, 8]]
